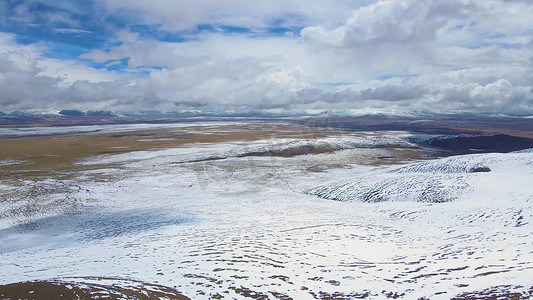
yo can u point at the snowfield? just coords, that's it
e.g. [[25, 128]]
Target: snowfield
[[458, 177], [242, 220]]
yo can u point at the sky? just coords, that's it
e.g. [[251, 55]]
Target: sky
[[302, 57]]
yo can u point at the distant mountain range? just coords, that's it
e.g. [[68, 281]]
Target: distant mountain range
[[63, 117], [62, 113]]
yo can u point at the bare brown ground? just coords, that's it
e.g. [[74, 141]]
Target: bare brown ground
[[520, 133], [103, 289], [106, 288]]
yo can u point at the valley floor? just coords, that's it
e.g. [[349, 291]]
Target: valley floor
[[241, 211]]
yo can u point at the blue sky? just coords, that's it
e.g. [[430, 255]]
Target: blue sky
[[347, 56]]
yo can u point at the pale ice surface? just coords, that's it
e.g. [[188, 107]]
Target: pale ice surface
[[254, 225]]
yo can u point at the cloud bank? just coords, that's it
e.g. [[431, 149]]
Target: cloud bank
[[453, 56]]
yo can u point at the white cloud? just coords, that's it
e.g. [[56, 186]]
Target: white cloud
[[71, 30], [397, 55], [29, 80], [225, 83]]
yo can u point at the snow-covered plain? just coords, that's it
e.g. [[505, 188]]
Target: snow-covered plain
[[214, 221], [91, 129]]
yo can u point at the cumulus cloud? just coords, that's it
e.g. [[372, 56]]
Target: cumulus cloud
[[468, 55], [238, 83], [30, 81], [411, 21], [401, 55]]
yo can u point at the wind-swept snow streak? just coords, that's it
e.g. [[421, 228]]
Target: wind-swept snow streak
[[435, 181]]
